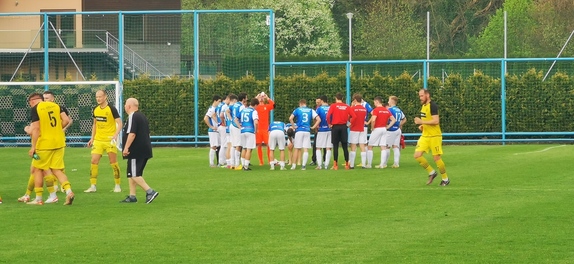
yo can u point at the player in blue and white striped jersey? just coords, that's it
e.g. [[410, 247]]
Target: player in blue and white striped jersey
[[393, 135], [249, 121], [210, 120], [277, 139]]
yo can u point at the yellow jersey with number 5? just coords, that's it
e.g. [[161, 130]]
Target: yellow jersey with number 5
[[51, 130], [427, 111]]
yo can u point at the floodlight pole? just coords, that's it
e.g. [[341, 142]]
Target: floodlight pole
[[350, 17]]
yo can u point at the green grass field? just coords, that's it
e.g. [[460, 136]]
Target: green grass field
[[505, 204]]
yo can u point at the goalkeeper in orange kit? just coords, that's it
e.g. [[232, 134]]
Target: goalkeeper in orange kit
[[262, 135]]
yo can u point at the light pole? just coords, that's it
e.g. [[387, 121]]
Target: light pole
[[350, 17]]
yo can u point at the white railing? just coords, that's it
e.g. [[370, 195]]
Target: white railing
[[133, 60]]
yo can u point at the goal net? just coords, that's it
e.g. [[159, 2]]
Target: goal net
[[78, 97]]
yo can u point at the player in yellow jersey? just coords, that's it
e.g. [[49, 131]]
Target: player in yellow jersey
[[431, 138], [47, 145], [105, 130]]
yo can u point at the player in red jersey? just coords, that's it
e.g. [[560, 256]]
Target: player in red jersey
[[358, 136], [262, 136], [379, 125]]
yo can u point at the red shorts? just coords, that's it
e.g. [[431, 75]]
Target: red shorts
[[262, 137]]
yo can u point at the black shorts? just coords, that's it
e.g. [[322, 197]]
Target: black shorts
[[136, 167], [339, 134]]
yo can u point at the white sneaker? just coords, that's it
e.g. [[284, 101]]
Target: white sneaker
[[24, 199], [117, 189], [92, 189], [51, 200], [36, 202]]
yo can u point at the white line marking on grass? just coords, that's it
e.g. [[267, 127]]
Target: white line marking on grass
[[539, 151]]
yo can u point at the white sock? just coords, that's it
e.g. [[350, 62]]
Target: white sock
[[352, 155], [222, 155], [237, 158], [52, 195], [369, 157], [383, 158], [282, 164], [388, 155], [363, 158], [396, 155], [327, 158], [211, 156], [319, 155], [242, 162], [305, 158]]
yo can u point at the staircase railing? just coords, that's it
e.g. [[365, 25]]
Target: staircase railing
[[132, 60]]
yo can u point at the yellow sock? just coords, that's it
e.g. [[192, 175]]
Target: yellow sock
[[116, 169], [50, 183], [441, 169], [93, 174], [30, 187], [66, 186], [39, 192], [425, 164]]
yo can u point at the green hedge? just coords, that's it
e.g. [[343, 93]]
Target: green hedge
[[467, 104]]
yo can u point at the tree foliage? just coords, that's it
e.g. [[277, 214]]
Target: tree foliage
[[388, 30]]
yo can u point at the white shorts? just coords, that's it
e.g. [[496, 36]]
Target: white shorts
[[235, 136], [357, 137], [213, 139], [302, 140], [222, 135], [323, 140], [248, 140], [228, 137], [378, 137], [394, 138], [366, 129], [276, 138]]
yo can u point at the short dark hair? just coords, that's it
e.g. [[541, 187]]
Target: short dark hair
[[232, 97], [339, 96], [426, 91], [323, 98], [358, 98], [216, 98], [302, 101], [35, 96], [254, 102], [290, 132], [241, 96], [48, 92], [379, 99]]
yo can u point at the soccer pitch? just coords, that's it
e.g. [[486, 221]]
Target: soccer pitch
[[505, 204]]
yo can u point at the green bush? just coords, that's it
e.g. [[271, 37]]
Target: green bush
[[466, 104]]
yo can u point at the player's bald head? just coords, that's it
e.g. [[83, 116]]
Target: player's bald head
[[132, 102]]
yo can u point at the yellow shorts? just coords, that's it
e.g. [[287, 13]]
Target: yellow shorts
[[432, 143], [49, 159], [98, 147]]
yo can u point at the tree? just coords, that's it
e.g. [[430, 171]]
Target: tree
[[490, 43], [303, 27], [388, 30]]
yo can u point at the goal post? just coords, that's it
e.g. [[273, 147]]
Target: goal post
[[77, 96]]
